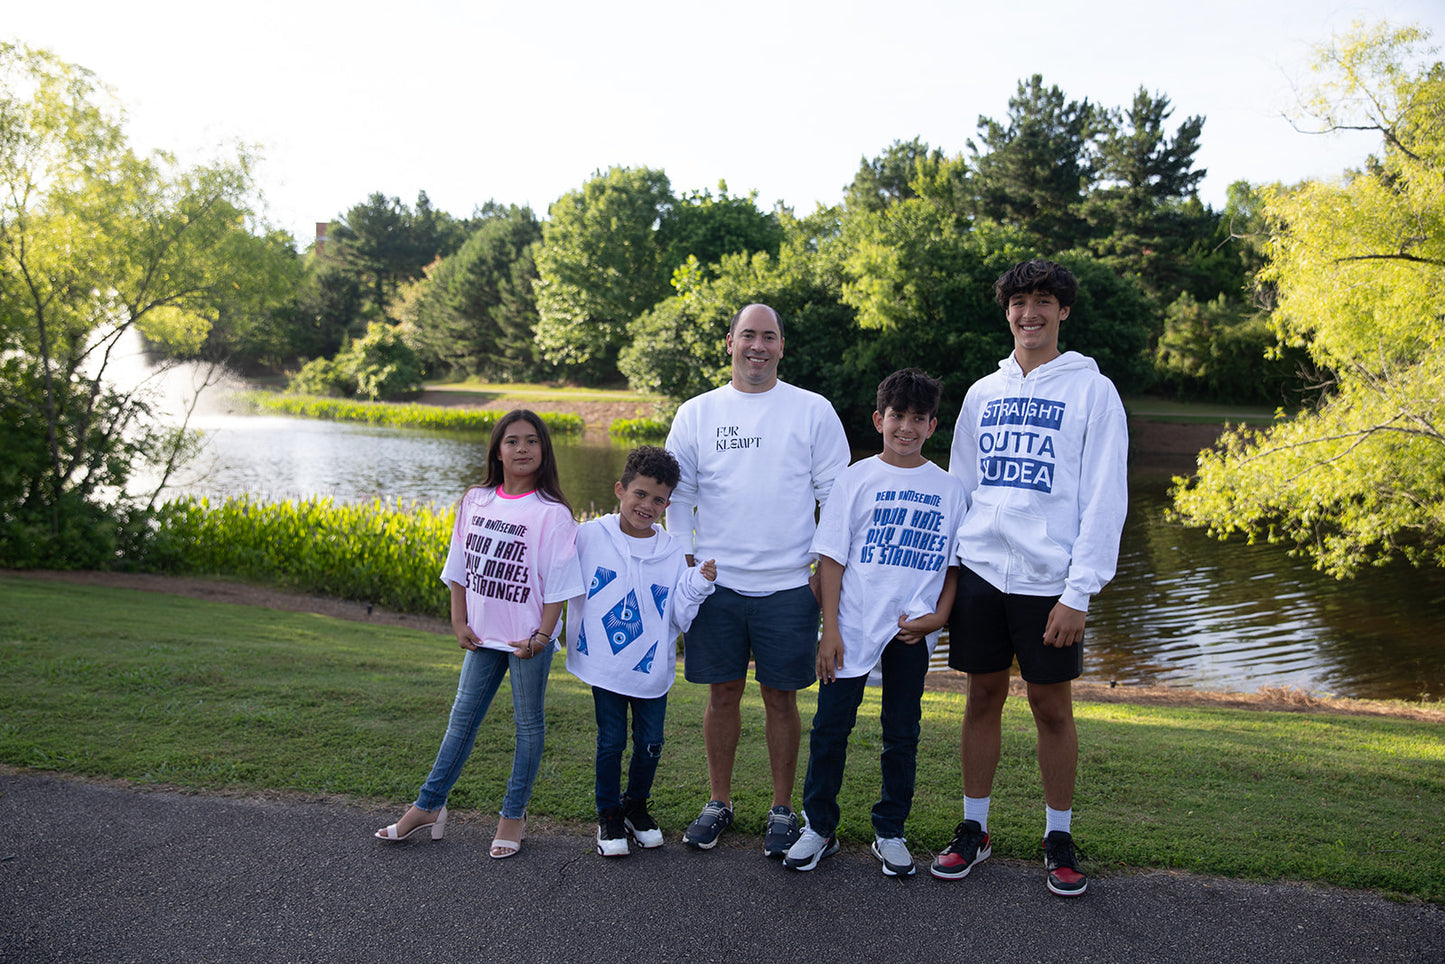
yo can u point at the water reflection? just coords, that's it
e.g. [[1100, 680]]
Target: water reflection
[[1184, 610]]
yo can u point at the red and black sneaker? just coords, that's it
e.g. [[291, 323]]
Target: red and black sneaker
[[1061, 859], [968, 849]]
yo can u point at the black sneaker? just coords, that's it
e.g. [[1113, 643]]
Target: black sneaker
[[782, 832], [810, 848], [640, 823], [611, 833], [1061, 858], [969, 848], [703, 832]]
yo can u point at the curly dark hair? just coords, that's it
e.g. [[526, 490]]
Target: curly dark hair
[[1037, 275], [654, 462], [910, 390]]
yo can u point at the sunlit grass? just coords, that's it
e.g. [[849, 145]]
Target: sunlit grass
[[155, 688]]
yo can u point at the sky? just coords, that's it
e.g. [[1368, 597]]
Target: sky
[[522, 102]]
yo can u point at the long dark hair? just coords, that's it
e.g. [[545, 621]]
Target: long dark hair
[[549, 486]]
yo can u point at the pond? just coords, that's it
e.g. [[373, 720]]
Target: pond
[[1184, 609]]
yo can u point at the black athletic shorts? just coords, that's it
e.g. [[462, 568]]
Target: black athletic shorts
[[988, 629]]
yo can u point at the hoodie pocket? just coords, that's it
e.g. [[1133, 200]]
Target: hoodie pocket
[[1039, 557]]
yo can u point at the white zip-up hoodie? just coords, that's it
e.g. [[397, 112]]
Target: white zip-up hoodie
[[622, 632], [1044, 462]]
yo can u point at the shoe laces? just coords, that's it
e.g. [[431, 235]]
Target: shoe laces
[[781, 819], [965, 835], [1061, 851]]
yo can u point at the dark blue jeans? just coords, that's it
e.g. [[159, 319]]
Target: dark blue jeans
[[647, 717], [904, 667]]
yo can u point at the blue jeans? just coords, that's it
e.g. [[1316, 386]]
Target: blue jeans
[[647, 717], [904, 667], [482, 672]]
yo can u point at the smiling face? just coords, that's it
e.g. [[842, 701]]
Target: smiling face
[[903, 435], [643, 501], [755, 345], [520, 452], [1034, 317]]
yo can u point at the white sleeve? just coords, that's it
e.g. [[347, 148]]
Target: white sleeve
[[682, 443]]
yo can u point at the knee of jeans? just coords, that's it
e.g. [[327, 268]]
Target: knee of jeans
[[651, 750]]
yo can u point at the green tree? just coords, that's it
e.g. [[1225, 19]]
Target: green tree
[[1144, 212], [96, 242], [600, 265], [1035, 168], [476, 313], [1356, 265], [385, 244]]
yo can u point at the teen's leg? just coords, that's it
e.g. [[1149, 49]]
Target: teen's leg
[[982, 738], [647, 720], [482, 672], [1053, 709], [828, 750], [721, 728], [611, 713], [529, 697], [904, 668]]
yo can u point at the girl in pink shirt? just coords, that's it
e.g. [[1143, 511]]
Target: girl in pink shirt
[[511, 565]]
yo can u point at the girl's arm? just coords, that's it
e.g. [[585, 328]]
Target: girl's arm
[[465, 637], [541, 638]]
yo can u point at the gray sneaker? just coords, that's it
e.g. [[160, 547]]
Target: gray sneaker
[[810, 848], [782, 832], [893, 851], [703, 832]]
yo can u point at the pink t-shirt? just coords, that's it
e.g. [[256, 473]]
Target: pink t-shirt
[[511, 554]]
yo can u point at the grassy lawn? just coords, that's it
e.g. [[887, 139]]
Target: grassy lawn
[[540, 391], [1172, 410], [147, 687]]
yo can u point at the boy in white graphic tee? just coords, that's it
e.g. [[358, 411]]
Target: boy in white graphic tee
[[622, 638], [885, 546]]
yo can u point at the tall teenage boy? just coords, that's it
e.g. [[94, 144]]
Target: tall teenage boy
[[1041, 446], [884, 546]]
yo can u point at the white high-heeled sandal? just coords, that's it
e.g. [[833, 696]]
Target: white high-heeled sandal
[[438, 827]]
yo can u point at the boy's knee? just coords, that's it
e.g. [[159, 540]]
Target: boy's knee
[[652, 751]]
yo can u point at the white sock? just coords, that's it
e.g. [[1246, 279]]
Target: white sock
[[976, 808], [1053, 819]]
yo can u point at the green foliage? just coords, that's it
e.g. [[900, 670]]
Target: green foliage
[[372, 551], [97, 243], [1221, 351], [640, 430], [383, 243], [600, 265], [476, 315], [379, 365], [409, 415], [1356, 265]]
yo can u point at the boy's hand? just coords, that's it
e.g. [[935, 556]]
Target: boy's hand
[[914, 630], [1065, 626], [830, 656], [709, 570]]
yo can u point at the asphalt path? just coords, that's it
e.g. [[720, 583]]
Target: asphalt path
[[97, 872]]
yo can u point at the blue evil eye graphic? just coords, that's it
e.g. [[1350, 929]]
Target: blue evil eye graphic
[[623, 623], [600, 578], [644, 665], [582, 641], [659, 596]]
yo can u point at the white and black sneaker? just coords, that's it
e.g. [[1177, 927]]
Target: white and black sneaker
[[611, 833], [640, 824], [893, 851], [810, 848]]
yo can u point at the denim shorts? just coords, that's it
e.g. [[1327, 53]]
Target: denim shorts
[[988, 629], [777, 632]]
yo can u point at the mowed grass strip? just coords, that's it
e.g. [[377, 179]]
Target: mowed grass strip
[[150, 687]]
